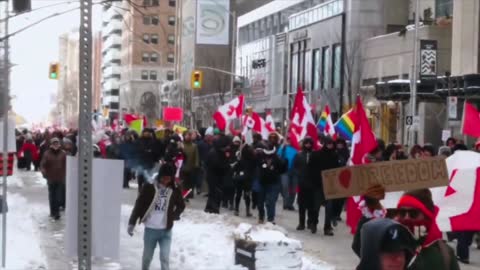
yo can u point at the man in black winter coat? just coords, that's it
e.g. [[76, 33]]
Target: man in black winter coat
[[324, 159], [147, 149], [217, 169], [305, 194]]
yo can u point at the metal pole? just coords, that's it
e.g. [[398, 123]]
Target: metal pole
[[6, 103], [234, 38], [413, 83], [85, 137]]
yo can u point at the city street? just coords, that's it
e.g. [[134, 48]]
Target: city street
[[194, 247]]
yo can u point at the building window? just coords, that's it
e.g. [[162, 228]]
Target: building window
[[294, 72], [171, 20], [115, 92], [316, 70], [146, 38], [325, 67], [170, 58], [336, 62], [147, 3], [154, 39], [154, 57], [170, 75], [153, 75], [156, 3], [146, 20], [155, 20], [144, 75], [145, 57], [443, 8], [114, 105], [171, 3], [171, 39]]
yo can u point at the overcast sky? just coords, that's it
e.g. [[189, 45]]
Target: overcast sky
[[33, 50]]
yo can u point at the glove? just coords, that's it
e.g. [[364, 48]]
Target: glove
[[130, 230]]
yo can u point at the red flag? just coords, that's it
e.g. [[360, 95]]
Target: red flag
[[363, 140], [256, 123], [471, 120], [228, 111], [301, 122]]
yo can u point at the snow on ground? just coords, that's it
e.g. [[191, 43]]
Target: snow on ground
[[23, 248], [201, 241]]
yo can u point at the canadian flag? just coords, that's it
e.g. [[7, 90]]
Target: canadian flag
[[256, 123], [269, 123], [363, 140], [471, 120], [228, 112], [301, 122]]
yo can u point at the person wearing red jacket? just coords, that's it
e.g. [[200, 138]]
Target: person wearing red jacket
[[30, 152]]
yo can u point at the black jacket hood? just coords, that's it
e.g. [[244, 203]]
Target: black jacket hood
[[372, 235]]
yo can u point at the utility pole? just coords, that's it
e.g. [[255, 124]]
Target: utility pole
[[413, 82], [85, 138], [6, 104]]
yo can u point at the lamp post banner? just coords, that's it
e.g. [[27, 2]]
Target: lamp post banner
[[213, 18], [428, 59]]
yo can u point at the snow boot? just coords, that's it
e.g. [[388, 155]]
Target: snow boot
[[236, 212], [301, 227], [248, 213]]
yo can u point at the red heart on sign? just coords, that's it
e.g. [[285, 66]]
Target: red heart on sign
[[345, 177]]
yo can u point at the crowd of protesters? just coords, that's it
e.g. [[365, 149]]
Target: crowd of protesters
[[228, 169]]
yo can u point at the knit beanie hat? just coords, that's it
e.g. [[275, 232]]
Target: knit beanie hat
[[425, 197]]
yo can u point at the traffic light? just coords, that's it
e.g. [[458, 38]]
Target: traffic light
[[197, 79], [54, 71]]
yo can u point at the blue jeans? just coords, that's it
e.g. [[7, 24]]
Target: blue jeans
[[289, 185], [150, 239], [267, 197]]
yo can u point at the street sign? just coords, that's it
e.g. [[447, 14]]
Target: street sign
[[416, 122], [452, 107], [409, 120]]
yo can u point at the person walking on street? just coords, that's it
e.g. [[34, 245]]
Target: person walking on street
[[270, 169], [243, 173], [322, 160], [343, 154], [217, 169], [53, 168], [158, 205], [29, 152], [148, 155], [287, 154], [191, 164], [305, 188]]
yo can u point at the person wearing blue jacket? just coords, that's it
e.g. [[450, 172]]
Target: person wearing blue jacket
[[289, 179]]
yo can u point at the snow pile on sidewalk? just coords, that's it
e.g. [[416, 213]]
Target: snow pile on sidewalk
[[23, 248], [200, 242], [272, 248]]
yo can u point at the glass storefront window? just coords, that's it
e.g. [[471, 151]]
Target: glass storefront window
[[337, 58], [325, 67], [294, 74], [316, 70]]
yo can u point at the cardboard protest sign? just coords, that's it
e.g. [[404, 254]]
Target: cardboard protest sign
[[399, 175]]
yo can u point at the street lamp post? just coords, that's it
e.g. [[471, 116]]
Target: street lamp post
[[413, 82]]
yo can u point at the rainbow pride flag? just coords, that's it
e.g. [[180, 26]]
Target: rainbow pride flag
[[325, 124], [322, 123], [345, 126]]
